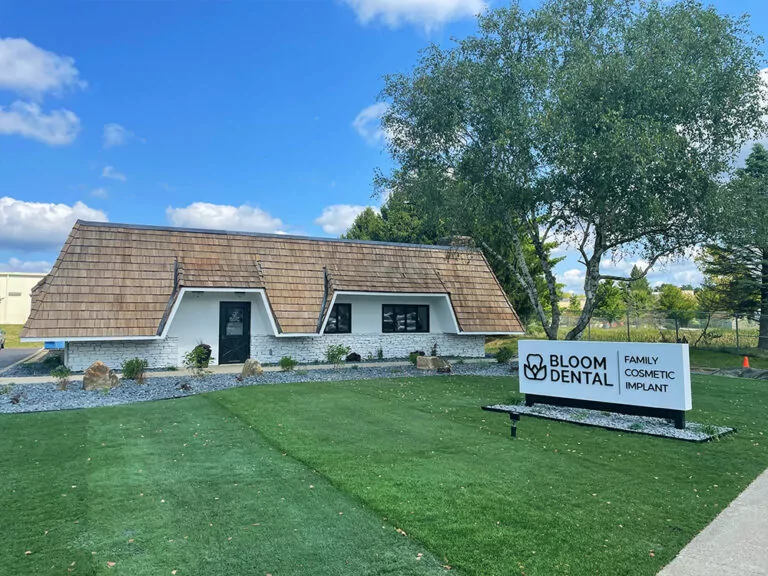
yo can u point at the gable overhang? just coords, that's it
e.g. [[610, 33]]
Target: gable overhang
[[190, 289]]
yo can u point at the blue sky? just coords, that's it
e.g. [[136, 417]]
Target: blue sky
[[240, 115]]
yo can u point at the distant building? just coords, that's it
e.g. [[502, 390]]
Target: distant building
[[15, 297]]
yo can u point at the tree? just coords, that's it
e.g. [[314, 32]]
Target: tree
[[637, 292], [601, 123], [401, 220], [609, 301], [574, 305], [739, 258], [676, 305]]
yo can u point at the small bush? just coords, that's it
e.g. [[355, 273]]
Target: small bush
[[197, 359], [433, 352], [171, 368], [287, 363], [5, 389], [62, 374], [380, 353], [134, 369], [414, 355], [52, 361], [335, 354], [504, 355]]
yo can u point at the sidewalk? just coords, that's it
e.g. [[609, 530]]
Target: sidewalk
[[232, 369], [735, 543]]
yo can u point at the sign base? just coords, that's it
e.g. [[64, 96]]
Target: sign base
[[678, 416]]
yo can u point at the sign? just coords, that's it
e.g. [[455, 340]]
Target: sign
[[649, 375]]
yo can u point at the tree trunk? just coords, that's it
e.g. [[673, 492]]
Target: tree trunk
[[591, 281], [762, 339]]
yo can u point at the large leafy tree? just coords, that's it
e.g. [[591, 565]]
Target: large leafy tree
[[676, 304], [637, 293], [739, 261], [403, 220], [601, 123]]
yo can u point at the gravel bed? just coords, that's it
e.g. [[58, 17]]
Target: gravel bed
[[43, 397], [693, 431]]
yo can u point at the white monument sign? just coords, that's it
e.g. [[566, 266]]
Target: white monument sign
[[650, 375]]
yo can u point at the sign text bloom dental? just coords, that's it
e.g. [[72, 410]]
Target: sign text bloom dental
[[652, 375]]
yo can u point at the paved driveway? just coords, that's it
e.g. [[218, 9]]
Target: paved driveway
[[10, 355]]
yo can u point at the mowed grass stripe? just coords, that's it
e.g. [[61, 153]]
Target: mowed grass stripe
[[217, 499], [562, 499]]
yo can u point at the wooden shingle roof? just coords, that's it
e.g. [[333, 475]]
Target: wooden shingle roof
[[115, 280]]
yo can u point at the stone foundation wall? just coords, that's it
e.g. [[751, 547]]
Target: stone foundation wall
[[158, 353], [270, 349]]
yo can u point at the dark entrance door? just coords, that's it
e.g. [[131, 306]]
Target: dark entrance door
[[234, 332]]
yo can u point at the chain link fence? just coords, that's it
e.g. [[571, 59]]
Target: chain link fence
[[699, 329]]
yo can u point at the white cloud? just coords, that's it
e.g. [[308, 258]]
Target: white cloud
[[427, 13], [16, 265], [224, 217], [573, 280], [110, 172], [338, 218], [99, 193], [32, 71], [32, 226], [28, 120], [117, 135], [368, 123]]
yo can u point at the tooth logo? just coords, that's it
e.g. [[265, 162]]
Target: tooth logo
[[534, 367]]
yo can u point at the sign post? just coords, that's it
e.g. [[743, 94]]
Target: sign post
[[631, 378]]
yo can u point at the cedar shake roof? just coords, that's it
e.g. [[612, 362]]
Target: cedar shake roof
[[118, 280]]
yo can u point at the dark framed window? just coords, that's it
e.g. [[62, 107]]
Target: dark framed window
[[404, 318], [339, 320]]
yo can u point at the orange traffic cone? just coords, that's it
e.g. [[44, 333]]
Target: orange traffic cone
[[745, 364]]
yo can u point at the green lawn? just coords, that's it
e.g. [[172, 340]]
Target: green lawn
[[12, 337], [252, 480]]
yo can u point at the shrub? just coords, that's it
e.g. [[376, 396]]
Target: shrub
[[287, 363], [414, 355], [197, 359], [433, 352], [62, 374], [335, 354], [52, 361], [504, 355], [380, 353], [134, 369]]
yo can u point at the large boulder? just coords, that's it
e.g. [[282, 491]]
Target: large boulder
[[251, 368], [99, 375], [433, 363]]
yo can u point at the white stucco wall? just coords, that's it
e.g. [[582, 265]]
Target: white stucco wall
[[197, 320], [366, 311], [15, 297]]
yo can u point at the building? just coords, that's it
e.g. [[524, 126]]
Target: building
[[15, 295], [121, 291]]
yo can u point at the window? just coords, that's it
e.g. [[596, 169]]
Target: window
[[339, 320], [404, 318]]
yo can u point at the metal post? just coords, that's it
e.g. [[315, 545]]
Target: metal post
[[677, 331], [737, 333]]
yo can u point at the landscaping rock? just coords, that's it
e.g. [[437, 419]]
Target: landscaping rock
[[251, 368], [354, 357], [99, 375], [433, 363]]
